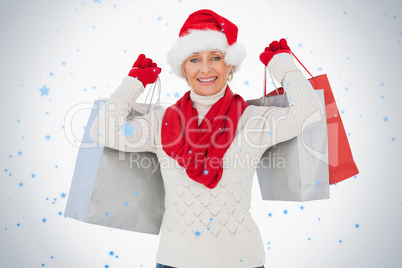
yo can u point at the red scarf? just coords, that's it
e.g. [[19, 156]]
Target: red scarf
[[200, 149]]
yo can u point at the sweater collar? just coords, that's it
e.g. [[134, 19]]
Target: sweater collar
[[200, 101]]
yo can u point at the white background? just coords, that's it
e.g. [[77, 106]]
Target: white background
[[81, 50]]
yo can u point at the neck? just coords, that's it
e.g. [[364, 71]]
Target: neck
[[204, 103], [206, 100]]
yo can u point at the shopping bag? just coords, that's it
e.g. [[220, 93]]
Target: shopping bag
[[292, 170], [114, 190], [340, 158]]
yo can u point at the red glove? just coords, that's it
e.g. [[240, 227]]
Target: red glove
[[145, 70], [274, 48]]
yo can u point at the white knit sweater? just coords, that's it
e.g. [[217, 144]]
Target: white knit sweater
[[201, 227]]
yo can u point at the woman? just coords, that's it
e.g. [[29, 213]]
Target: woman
[[207, 141]]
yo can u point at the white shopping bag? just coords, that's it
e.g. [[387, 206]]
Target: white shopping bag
[[304, 176], [108, 191]]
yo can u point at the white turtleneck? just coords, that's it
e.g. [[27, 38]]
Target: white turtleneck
[[205, 227], [204, 103]]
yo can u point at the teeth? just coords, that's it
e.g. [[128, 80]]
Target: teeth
[[207, 80]]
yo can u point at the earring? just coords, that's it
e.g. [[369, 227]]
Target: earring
[[230, 76]]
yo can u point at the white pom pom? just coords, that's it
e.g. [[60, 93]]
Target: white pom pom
[[235, 54]]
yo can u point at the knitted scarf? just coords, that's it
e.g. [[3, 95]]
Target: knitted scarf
[[200, 148]]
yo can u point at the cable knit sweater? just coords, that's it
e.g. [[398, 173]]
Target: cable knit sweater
[[201, 227]]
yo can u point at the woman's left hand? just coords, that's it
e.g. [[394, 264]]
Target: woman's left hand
[[274, 48]]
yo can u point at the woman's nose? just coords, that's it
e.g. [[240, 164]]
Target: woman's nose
[[205, 67]]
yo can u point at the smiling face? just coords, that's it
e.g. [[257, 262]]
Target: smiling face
[[206, 72]]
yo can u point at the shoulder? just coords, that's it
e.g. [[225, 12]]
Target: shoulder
[[253, 110], [158, 112], [255, 116], [153, 117]]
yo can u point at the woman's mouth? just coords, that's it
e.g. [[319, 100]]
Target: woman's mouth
[[207, 80]]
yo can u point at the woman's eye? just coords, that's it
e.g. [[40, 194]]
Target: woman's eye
[[216, 58], [194, 60]]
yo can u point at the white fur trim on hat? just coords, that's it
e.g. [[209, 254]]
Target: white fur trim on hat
[[202, 40], [235, 55]]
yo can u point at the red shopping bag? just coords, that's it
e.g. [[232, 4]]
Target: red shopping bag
[[340, 159]]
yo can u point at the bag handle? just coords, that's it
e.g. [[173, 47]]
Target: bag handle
[[301, 63], [158, 101], [276, 88]]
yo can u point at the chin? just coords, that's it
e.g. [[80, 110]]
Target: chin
[[206, 91]]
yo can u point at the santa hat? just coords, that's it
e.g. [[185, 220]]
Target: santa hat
[[206, 30]]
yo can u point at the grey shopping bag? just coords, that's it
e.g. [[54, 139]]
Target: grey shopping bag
[[108, 191], [297, 169]]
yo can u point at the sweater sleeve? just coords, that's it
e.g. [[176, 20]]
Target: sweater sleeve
[[112, 129], [272, 125]]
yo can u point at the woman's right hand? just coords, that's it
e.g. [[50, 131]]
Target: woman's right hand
[[145, 70]]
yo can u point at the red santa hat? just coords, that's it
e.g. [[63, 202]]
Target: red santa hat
[[206, 30]]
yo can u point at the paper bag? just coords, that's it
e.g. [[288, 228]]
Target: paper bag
[[108, 191], [302, 176]]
